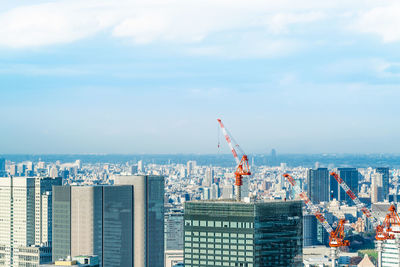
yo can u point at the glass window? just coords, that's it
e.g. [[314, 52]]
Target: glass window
[[195, 239], [249, 241], [203, 239], [203, 234], [210, 223], [196, 233], [217, 246], [188, 238], [233, 235], [241, 241], [188, 233], [203, 223], [202, 245], [241, 235], [225, 224], [195, 223], [225, 234], [249, 235], [234, 224], [241, 247], [233, 241], [249, 247], [218, 234], [210, 245], [210, 234], [217, 224], [217, 240], [188, 222]]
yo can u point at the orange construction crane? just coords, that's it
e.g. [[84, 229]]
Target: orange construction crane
[[243, 167], [391, 224], [336, 237], [381, 230]]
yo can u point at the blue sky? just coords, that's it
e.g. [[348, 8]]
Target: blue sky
[[152, 76]]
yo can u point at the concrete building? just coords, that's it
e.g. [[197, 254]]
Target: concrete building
[[173, 258], [318, 185], [230, 233], [148, 199], [94, 220]]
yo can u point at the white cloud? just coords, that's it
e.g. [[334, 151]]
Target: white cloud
[[383, 21], [175, 21]]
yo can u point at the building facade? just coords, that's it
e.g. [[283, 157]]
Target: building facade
[[94, 220], [148, 199], [229, 233]]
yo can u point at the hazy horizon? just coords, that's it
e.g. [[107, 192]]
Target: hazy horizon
[[132, 77]]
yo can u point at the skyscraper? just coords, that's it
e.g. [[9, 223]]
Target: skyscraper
[[94, 220], [174, 230], [318, 185], [350, 177], [230, 233], [148, 218], [385, 181]]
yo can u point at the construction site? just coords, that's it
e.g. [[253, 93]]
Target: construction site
[[385, 225]]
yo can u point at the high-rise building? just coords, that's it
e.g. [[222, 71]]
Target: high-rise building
[[94, 220], [274, 160], [385, 181], [26, 219], [350, 177], [209, 177], [318, 185], [377, 187], [148, 218], [230, 233]]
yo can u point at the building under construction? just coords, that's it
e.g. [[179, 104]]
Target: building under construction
[[232, 233]]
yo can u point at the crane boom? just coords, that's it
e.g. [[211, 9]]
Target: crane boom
[[229, 141], [243, 167], [359, 204], [314, 209]]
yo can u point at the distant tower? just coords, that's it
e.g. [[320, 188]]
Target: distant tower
[[273, 157], [140, 166], [209, 177], [2, 167]]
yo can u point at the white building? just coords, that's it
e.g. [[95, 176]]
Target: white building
[[21, 217]]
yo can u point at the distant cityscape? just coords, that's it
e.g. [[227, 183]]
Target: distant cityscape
[[179, 210]]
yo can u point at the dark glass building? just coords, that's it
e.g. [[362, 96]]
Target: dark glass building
[[229, 233], [350, 177], [318, 185], [385, 180]]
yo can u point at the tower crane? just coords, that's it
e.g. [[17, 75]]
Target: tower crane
[[336, 237], [380, 231], [384, 231], [243, 167]]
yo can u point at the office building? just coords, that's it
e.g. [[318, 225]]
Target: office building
[[148, 218], [209, 177], [384, 171], [230, 233], [25, 231], [318, 185], [94, 220], [350, 176], [174, 230]]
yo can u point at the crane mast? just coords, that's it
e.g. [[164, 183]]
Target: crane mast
[[243, 167]]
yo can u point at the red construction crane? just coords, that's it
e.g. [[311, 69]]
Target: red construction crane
[[336, 237], [243, 167], [380, 229]]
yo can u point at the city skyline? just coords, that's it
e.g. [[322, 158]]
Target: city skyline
[[128, 77]]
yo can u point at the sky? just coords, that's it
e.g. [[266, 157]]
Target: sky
[[153, 76]]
